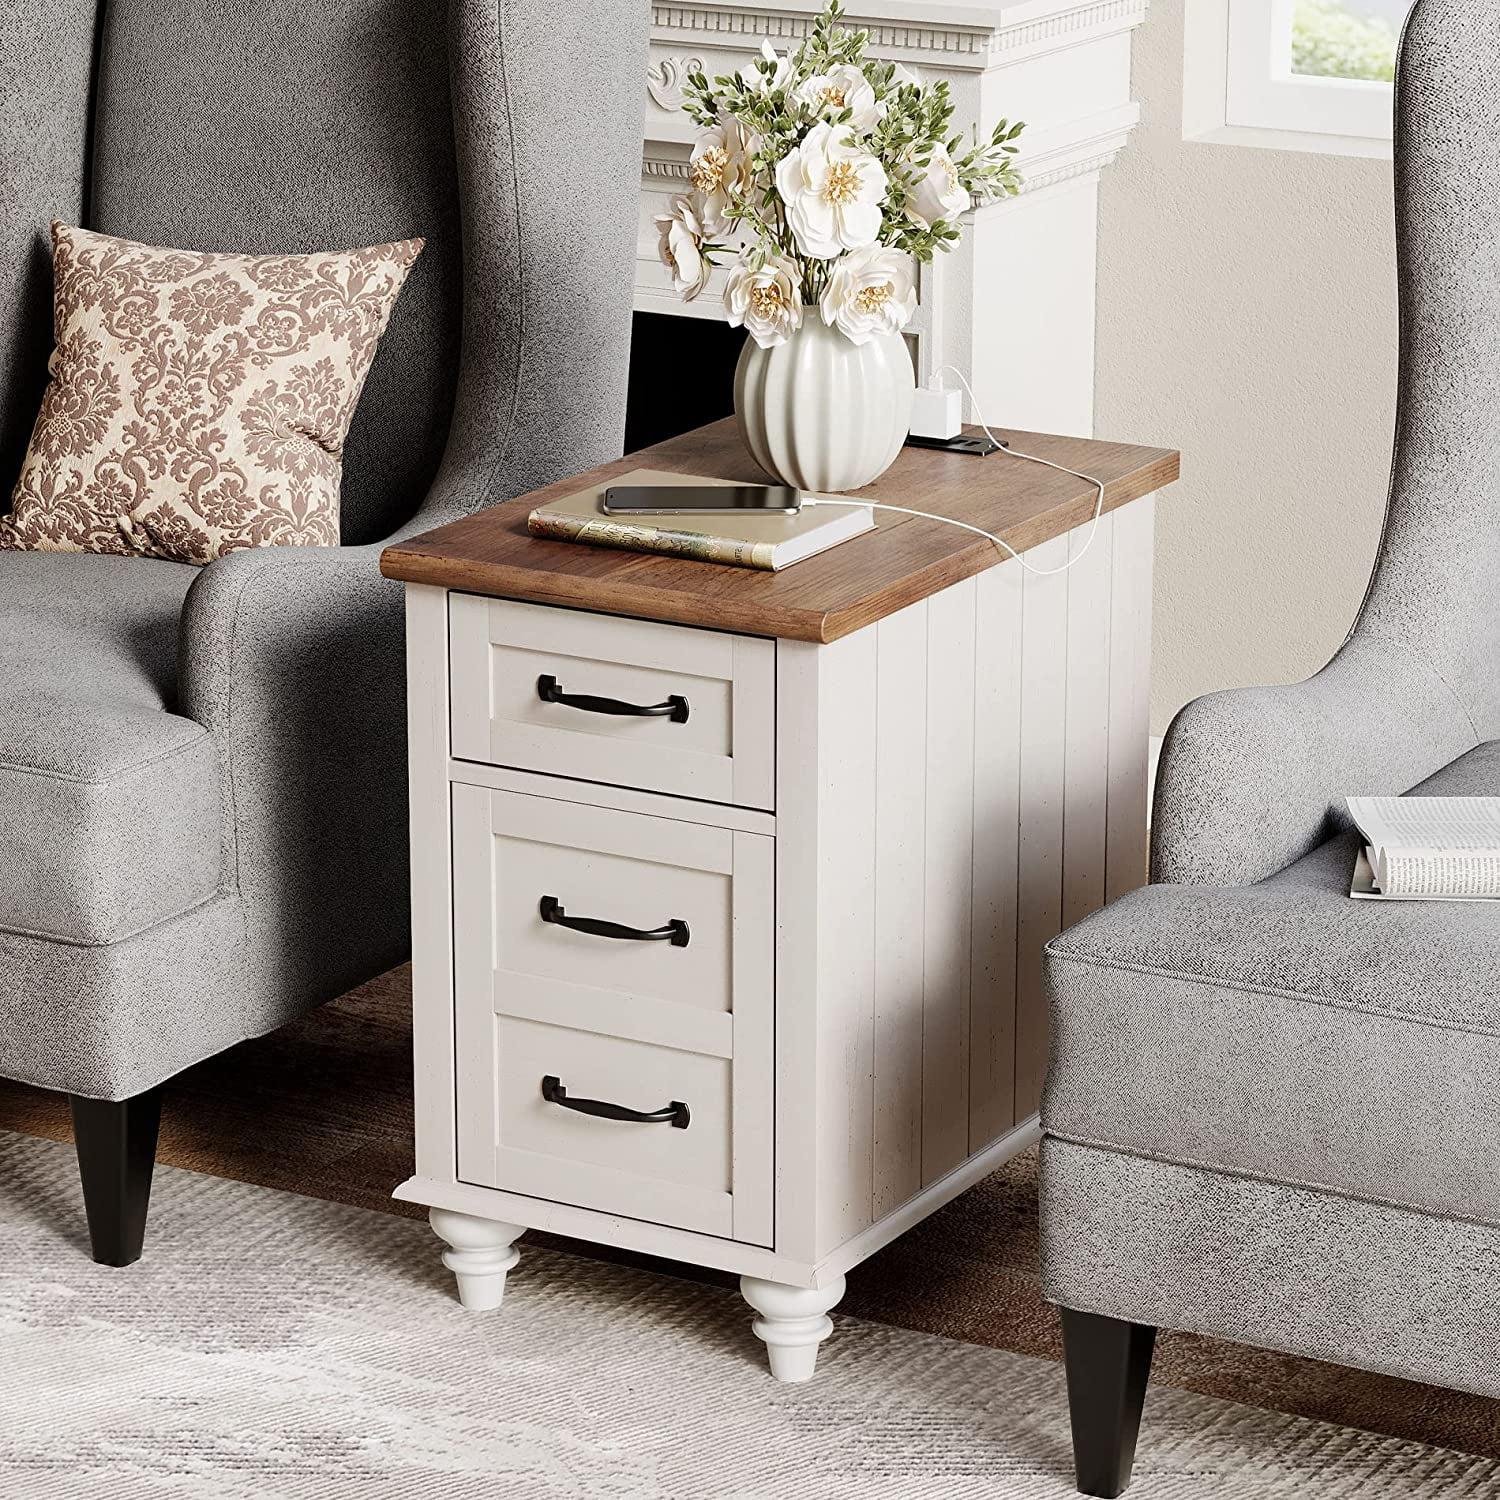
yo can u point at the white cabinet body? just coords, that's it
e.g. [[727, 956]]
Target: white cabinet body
[[763, 995]]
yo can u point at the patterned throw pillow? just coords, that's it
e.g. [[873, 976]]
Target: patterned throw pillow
[[198, 403]]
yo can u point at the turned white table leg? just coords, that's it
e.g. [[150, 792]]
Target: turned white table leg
[[480, 1255], [793, 1321]]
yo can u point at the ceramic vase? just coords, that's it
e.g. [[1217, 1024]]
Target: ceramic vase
[[820, 412]]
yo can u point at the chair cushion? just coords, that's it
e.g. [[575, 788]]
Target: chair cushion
[[1285, 1031], [109, 802]]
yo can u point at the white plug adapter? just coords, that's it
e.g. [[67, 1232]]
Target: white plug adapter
[[937, 413]]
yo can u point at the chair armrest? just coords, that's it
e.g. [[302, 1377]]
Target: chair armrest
[[1252, 779], [265, 628], [293, 659]]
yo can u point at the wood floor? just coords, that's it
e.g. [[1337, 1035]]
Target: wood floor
[[323, 1108]]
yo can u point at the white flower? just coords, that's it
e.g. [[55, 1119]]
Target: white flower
[[901, 74], [763, 80], [938, 193], [871, 291], [833, 190], [720, 167], [843, 87], [681, 248], [765, 298]]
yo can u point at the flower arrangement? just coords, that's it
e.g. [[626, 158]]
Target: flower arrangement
[[827, 176]]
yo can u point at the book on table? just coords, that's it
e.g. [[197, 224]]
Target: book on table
[[744, 539], [1427, 848]]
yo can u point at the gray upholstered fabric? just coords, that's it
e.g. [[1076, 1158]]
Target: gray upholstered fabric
[[504, 132], [1298, 933], [305, 705], [1274, 1265], [1252, 779], [46, 49], [111, 1020], [1286, 1031], [1248, 779], [106, 625], [109, 805], [547, 127], [99, 860], [1271, 1113]]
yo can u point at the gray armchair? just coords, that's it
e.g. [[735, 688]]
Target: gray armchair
[[1271, 1115], [202, 773]]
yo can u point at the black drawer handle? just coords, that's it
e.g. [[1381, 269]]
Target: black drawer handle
[[675, 1114], [549, 690], [675, 932]]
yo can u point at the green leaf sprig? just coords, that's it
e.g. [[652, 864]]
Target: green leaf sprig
[[915, 125]]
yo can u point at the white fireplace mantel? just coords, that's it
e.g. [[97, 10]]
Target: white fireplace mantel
[[1014, 305]]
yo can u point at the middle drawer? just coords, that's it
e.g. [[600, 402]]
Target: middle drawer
[[620, 956]]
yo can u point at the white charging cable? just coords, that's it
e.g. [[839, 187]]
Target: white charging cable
[[979, 531]]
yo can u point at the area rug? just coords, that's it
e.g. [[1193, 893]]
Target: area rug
[[273, 1345], [323, 1108]]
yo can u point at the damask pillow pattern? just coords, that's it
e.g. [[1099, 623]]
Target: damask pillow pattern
[[199, 403]]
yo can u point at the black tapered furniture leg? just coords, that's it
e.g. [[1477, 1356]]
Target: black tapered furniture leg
[[1108, 1362], [116, 1152]]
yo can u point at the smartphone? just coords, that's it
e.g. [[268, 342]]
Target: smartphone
[[701, 499]]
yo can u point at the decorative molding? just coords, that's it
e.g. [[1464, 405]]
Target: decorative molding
[[1084, 166], [1069, 25], [1086, 146], [666, 80], [673, 169], [676, 170], [947, 43], [730, 24]]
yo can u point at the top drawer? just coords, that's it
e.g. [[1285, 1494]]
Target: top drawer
[[533, 688]]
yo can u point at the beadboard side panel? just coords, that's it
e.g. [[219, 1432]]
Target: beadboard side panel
[[954, 785], [1086, 668], [1039, 865], [1086, 752], [901, 704], [876, 910], [997, 821], [947, 890], [1129, 696]]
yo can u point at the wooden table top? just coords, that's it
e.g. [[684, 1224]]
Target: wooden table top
[[822, 598]]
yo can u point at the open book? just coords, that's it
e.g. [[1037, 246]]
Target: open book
[[1427, 848]]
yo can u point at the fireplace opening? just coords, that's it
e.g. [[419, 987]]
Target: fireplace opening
[[681, 376]]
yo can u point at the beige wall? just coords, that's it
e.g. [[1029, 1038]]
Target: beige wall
[[1247, 317]]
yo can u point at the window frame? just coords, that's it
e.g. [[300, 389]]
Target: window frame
[[1238, 88]]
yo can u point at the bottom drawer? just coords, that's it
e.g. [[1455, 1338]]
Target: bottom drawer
[[678, 1170]]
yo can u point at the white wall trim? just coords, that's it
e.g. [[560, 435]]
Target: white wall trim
[[1206, 112], [947, 35]]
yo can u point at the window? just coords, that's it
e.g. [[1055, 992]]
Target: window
[[1347, 38], [1301, 74]]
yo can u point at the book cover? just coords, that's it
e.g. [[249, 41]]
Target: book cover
[[743, 540]]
